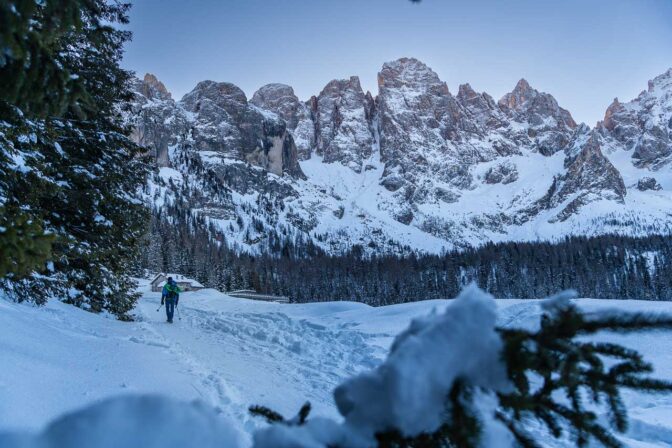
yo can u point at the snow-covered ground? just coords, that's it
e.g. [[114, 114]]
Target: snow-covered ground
[[231, 353]]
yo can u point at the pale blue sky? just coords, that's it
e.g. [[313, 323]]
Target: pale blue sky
[[584, 52]]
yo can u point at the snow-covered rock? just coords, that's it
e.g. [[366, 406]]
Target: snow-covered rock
[[411, 168], [548, 125], [648, 183], [589, 177], [642, 127], [224, 123], [280, 99], [504, 173], [420, 123], [157, 121], [343, 124]]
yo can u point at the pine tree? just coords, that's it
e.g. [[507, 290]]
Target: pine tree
[[35, 84], [87, 170], [35, 77]]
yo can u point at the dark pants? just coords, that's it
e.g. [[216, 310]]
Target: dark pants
[[170, 309]]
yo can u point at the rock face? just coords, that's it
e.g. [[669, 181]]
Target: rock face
[[480, 108], [642, 127], [156, 118], [153, 89], [224, 123], [648, 183], [535, 107], [343, 124], [504, 173], [280, 99], [590, 176], [419, 127], [411, 168], [548, 125]]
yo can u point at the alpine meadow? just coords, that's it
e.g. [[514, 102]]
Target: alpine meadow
[[295, 224]]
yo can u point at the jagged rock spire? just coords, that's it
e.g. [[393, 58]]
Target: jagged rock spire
[[152, 88], [343, 123]]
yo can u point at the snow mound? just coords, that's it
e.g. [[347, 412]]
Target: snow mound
[[407, 392], [143, 421]]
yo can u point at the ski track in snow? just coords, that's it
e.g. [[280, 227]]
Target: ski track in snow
[[233, 353], [244, 358]]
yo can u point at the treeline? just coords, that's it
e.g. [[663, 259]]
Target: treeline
[[609, 267]]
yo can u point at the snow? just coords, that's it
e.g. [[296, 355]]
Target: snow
[[100, 219], [408, 390], [59, 150], [58, 358], [362, 199], [168, 174], [227, 354], [19, 162], [267, 114], [126, 421]]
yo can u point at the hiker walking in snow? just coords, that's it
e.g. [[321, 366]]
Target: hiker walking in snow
[[170, 296]]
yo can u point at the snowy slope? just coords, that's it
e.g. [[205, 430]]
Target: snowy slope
[[230, 353]]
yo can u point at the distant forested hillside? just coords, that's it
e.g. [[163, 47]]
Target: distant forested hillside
[[613, 267]]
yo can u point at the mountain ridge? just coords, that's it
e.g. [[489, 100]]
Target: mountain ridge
[[414, 168]]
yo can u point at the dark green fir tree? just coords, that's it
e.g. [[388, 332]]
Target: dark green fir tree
[[80, 174]]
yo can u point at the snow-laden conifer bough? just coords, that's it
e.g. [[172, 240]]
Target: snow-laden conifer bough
[[451, 379]]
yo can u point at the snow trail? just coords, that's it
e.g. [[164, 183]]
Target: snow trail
[[243, 352]]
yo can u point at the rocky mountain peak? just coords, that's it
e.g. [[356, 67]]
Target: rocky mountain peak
[[273, 93], [155, 118], [468, 97], [343, 114], [522, 86], [642, 126], [441, 159], [223, 94], [519, 97], [589, 177], [280, 99], [341, 85], [613, 110], [223, 125], [152, 88], [409, 73], [663, 81], [540, 109], [481, 108], [593, 171], [466, 93]]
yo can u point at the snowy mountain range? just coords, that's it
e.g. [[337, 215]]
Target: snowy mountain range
[[414, 167]]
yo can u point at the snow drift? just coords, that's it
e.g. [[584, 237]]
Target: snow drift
[[134, 421]]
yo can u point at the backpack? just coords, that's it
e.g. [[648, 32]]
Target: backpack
[[172, 291]]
